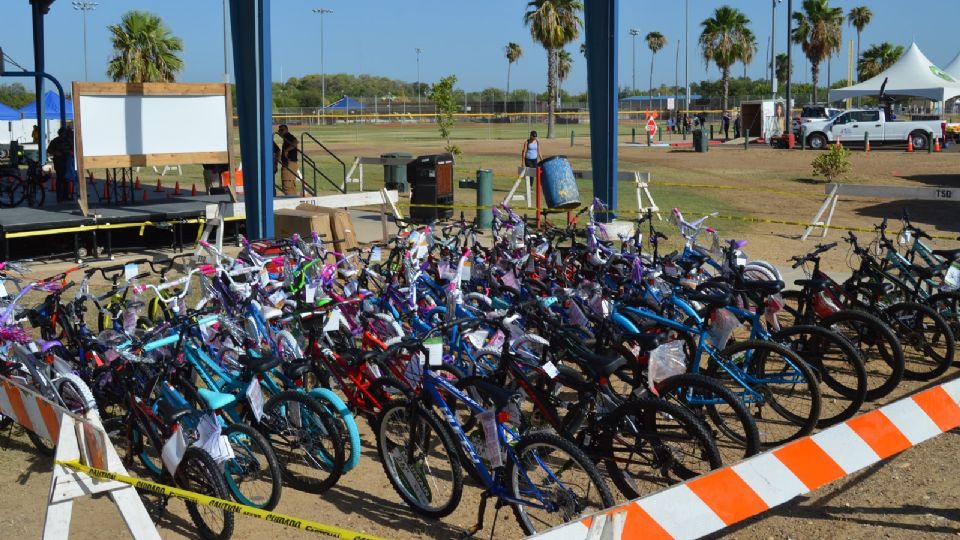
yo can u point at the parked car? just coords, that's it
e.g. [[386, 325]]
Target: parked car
[[853, 125]]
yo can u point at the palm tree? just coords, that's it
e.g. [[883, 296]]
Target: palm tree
[[781, 67], [144, 49], [553, 24], [513, 52], [655, 41], [819, 32], [564, 63], [859, 18], [725, 40], [877, 58]]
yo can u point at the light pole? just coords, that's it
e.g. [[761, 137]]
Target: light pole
[[686, 50], [419, 104], [633, 35], [226, 71], [773, 49], [788, 106], [323, 75], [84, 7]]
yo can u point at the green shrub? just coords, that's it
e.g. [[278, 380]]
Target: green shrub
[[832, 164]]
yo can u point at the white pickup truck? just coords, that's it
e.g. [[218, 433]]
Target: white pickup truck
[[853, 125]]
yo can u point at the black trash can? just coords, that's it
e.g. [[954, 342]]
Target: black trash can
[[431, 184], [700, 141], [395, 174]]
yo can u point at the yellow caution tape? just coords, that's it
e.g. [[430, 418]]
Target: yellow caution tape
[[222, 504]]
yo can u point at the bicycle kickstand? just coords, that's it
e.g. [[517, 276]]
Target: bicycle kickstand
[[483, 508]]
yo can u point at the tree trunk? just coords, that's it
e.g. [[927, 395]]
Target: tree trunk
[[856, 65], [507, 95], [726, 86], [551, 91], [652, 58], [815, 75]]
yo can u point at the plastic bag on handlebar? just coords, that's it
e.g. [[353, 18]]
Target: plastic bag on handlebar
[[722, 325], [666, 361]]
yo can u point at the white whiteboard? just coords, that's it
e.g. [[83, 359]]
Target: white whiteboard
[[152, 124]]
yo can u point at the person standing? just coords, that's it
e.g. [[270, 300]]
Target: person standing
[[35, 134], [289, 161], [736, 126], [725, 125], [531, 154], [61, 151]]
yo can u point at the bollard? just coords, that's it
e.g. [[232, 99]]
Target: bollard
[[684, 131], [711, 132], [746, 138], [929, 145], [484, 198], [660, 135], [803, 137], [572, 135], [649, 139], [633, 135], [866, 141]]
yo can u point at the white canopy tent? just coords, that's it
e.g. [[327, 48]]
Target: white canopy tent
[[953, 68], [912, 75]]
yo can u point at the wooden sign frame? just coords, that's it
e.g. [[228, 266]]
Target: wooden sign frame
[[140, 160]]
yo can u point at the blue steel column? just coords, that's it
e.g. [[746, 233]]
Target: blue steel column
[[600, 21], [250, 31], [38, 68]]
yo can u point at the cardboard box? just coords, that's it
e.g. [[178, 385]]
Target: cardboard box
[[286, 222], [340, 223]]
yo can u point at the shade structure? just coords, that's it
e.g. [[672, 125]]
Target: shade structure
[[8, 113], [51, 108], [953, 68], [912, 75], [345, 103]]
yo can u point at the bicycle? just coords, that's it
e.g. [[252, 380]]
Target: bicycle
[[15, 189]]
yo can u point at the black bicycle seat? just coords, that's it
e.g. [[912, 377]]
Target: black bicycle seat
[[297, 368], [949, 254], [646, 342], [764, 287], [170, 413], [716, 299], [254, 365], [875, 288], [599, 365], [815, 284], [501, 397]]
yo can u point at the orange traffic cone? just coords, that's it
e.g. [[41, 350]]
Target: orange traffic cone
[[159, 188], [176, 188], [936, 144], [910, 145], [193, 190], [136, 185], [144, 195], [867, 147]]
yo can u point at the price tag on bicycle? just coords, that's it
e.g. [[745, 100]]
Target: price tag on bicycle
[[173, 450], [255, 397], [488, 419], [130, 271], [952, 279], [375, 254], [434, 348], [551, 370]]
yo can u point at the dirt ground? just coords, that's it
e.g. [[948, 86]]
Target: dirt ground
[[908, 496]]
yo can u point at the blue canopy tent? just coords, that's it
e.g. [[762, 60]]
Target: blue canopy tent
[[346, 103], [8, 113], [51, 107]]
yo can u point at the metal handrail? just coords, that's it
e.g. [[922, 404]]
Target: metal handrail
[[316, 170]]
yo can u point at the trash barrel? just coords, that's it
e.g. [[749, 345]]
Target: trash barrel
[[395, 175], [700, 141], [484, 198], [558, 183]]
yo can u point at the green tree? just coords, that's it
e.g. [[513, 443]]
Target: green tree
[[513, 52], [725, 40], [655, 41], [553, 24], [15, 95], [442, 95], [832, 164], [819, 32], [859, 17], [144, 50], [564, 64], [781, 66], [877, 58]]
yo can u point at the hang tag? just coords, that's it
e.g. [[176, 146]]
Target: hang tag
[[311, 294], [129, 320], [422, 247], [3, 289], [255, 397], [277, 298], [953, 276], [208, 429], [173, 450], [350, 288], [551, 370], [465, 269], [130, 271], [413, 372], [375, 254], [498, 339], [264, 277], [333, 321], [477, 338], [510, 280], [434, 347], [488, 419], [220, 449]]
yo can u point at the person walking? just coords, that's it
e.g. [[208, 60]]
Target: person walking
[[531, 154], [61, 151], [289, 161], [725, 125]]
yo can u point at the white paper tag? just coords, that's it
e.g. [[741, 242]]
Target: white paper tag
[[488, 419], [465, 269], [350, 288], [255, 396], [375, 254], [3, 289], [173, 451], [264, 277], [953, 276], [498, 339], [311, 294], [130, 271], [551, 370], [434, 347], [478, 337], [333, 321], [277, 298]]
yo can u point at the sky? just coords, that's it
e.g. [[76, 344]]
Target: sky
[[459, 37]]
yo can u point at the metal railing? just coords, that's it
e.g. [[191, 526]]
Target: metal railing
[[307, 160]]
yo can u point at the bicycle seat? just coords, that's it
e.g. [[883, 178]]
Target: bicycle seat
[[764, 287], [170, 413], [598, 365], [47, 345], [501, 397], [295, 369], [646, 342], [815, 284], [949, 254], [875, 288], [717, 299], [253, 365], [216, 400]]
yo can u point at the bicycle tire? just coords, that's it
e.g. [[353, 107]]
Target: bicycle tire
[[536, 448], [247, 469], [409, 480], [841, 372], [947, 305], [199, 473], [321, 467], [930, 346], [657, 428], [76, 397], [349, 433], [736, 434], [774, 394], [877, 344], [36, 195], [17, 193]]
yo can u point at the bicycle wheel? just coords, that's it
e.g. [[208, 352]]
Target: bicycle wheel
[[927, 341], [878, 346], [199, 473], [76, 397], [781, 391], [837, 365], [734, 430], [651, 443], [253, 475], [947, 305], [419, 458], [16, 192], [556, 482], [35, 194], [305, 439]]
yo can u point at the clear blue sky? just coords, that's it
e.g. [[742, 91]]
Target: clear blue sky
[[465, 38]]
